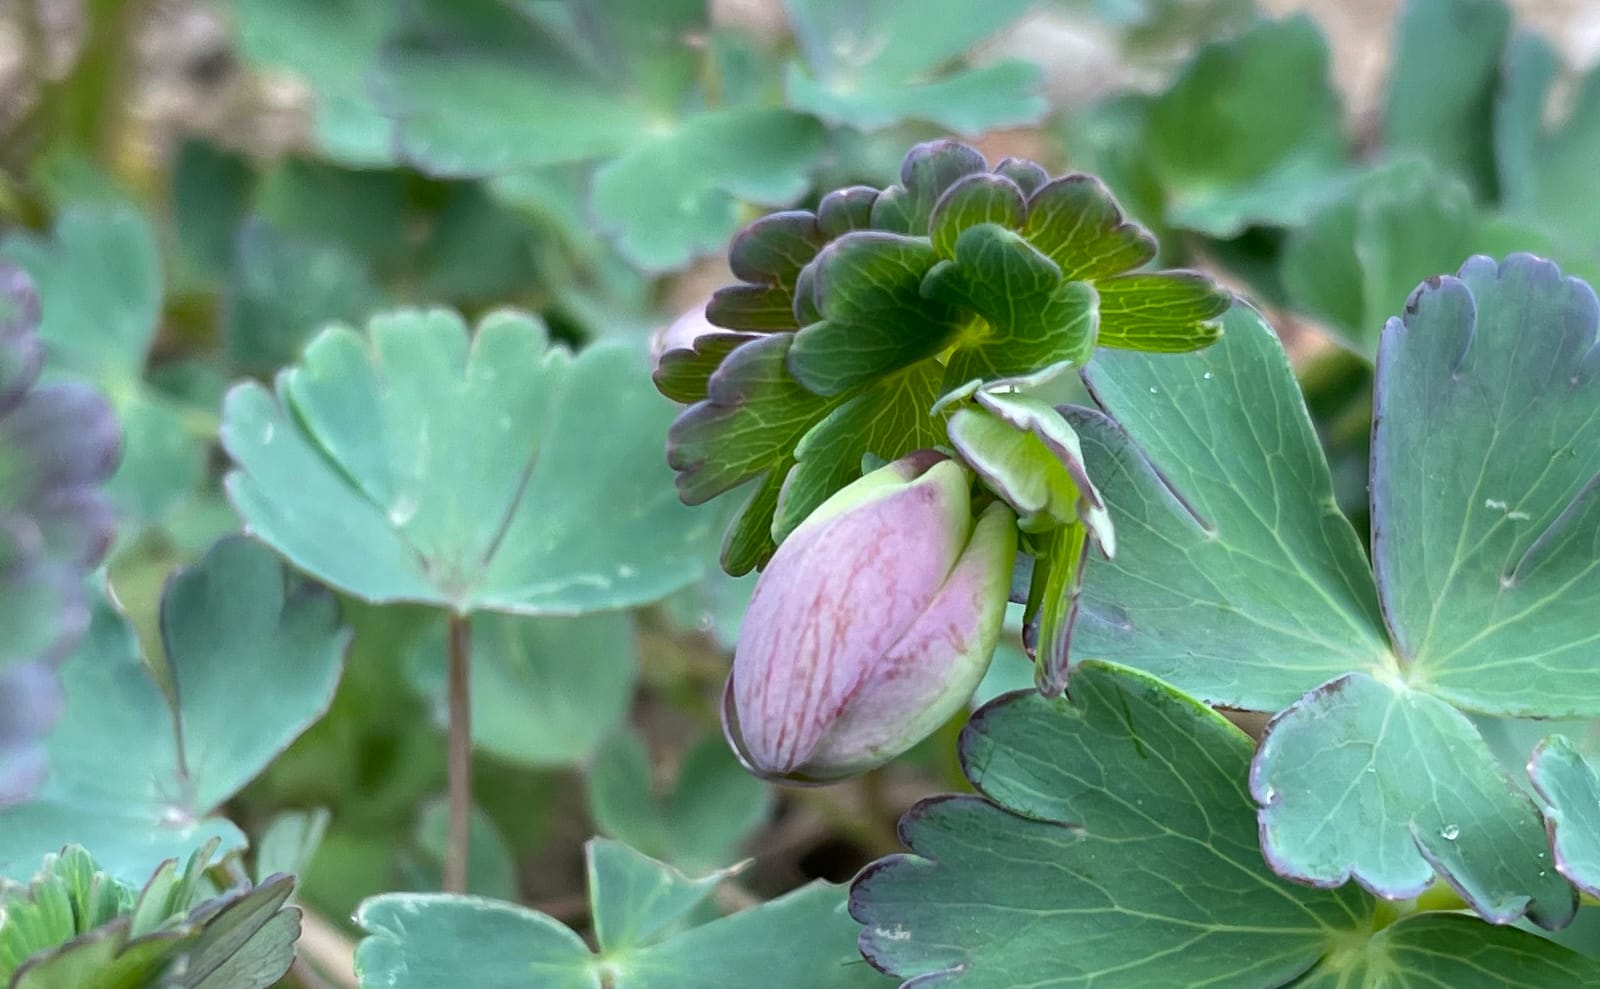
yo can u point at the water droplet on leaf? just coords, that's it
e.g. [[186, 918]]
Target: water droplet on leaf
[[403, 510], [1449, 832]]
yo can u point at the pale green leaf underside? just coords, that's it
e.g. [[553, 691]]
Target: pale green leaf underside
[[803, 940], [497, 473]]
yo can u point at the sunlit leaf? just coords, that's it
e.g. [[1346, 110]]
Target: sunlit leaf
[[476, 471], [418, 940]]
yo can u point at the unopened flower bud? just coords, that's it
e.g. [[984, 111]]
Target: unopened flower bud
[[872, 624]]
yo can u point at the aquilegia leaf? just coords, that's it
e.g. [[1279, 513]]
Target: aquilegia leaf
[[481, 88], [802, 940], [423, 462], [253, 657], [1113, 846], [1569, 790], [1237, 577]]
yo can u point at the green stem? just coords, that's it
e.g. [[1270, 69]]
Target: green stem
[[459, 755]]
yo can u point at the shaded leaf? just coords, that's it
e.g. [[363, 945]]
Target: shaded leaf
[[698, 823], [125, 780], [545, 691], [1250, 132], [1569, 790], [854, 75], [1441, 90]]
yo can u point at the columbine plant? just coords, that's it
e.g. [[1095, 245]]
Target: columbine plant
[[1372, 829], [915, 318]]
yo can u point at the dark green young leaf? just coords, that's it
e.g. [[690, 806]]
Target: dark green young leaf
[[74, 926], [1000, 267], [872, 317], [886, 419], [125, 779], [476, 471], [1033, 319]]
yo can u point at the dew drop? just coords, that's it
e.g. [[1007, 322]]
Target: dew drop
[[403, 510], [266, 434], [1449, 832], [1206, 376], [1152, 389]]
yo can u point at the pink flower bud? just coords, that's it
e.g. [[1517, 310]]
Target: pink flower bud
[[872, 624]]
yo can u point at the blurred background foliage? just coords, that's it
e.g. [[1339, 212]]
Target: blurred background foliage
[[198, 187]]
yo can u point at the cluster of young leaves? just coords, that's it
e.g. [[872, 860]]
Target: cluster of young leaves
[[670, 124], [906, 318], [1460, 162], [58, 445], [74, 925]]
